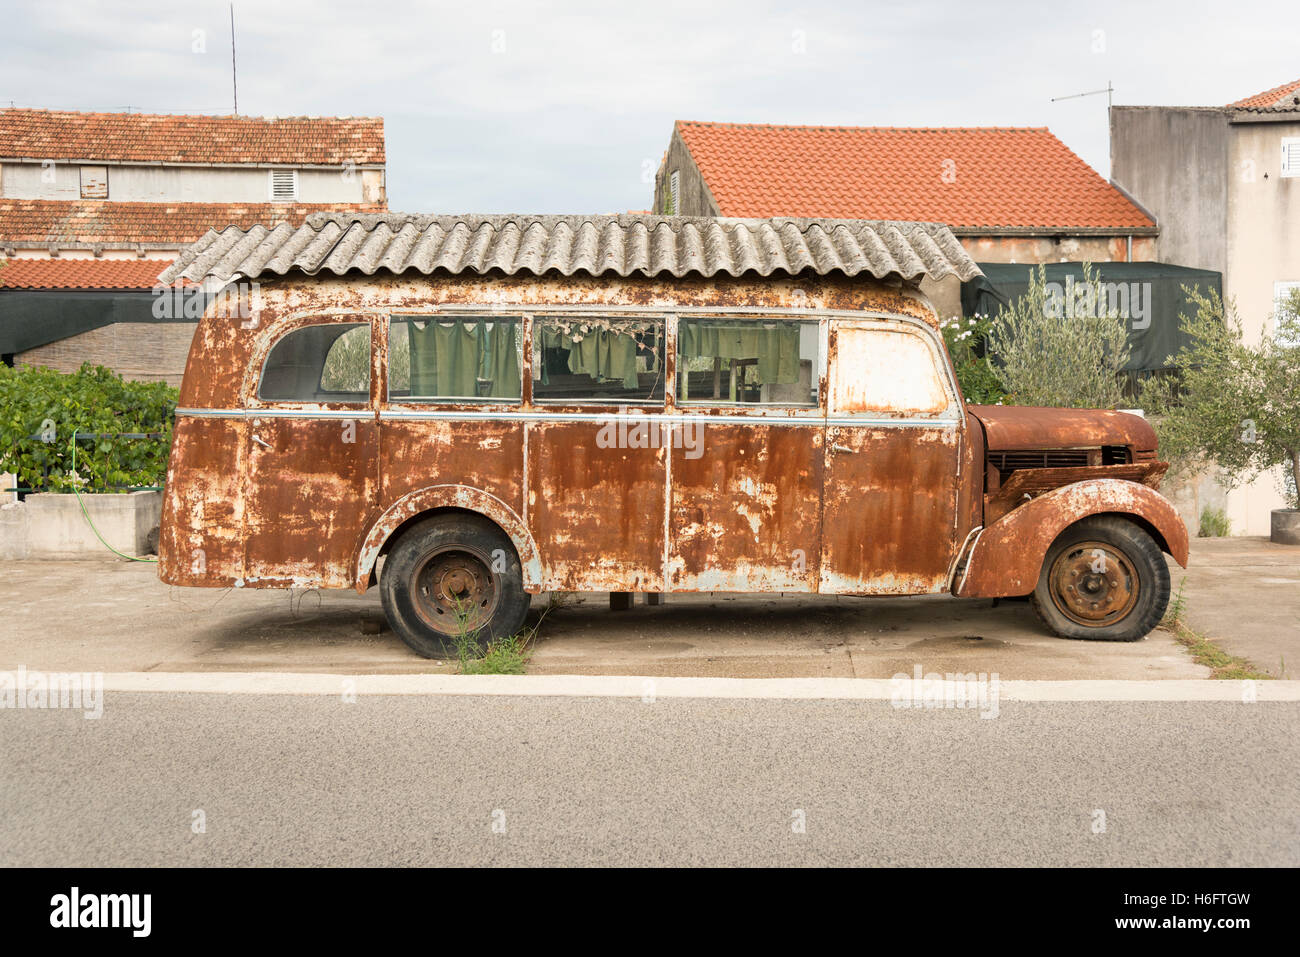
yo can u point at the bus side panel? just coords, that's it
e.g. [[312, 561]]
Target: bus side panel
[[596, 512], [201, 539], [483, 455], [746, 512]]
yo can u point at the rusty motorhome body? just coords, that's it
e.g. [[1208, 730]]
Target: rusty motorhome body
[[841, 459]]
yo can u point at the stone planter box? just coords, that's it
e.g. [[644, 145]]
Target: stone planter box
[[50, 525], [1286, 526]]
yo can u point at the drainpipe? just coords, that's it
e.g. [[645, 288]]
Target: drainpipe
[[1130, 248]]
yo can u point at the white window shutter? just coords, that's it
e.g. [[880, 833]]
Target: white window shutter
[[674, 189], [1291, 156]]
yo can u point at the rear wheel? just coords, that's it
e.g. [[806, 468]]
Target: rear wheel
[[453, 581], [1104, 579]]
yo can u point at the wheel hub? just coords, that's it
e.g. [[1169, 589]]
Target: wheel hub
[[454, 590], [1093, 584]]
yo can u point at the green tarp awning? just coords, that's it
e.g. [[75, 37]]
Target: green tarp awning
[[30, 319], [1150, 294]]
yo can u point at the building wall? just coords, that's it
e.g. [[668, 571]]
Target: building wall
[[190, 184], [1175, 163], [694, 198], [1263, 224], [144, 351], [1216, 190]]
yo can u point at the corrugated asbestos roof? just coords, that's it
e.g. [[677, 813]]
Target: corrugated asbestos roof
[[624, 245]]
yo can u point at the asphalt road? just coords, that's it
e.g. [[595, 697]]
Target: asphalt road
[[435, 779]]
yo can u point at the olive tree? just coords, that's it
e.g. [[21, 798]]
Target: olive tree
[[1234, 405], [1061, 344]]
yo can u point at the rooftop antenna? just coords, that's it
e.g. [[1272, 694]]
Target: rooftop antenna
[[234, 79], [1109, 91]]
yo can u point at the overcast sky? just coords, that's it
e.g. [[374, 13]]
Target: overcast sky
[[567, 107]]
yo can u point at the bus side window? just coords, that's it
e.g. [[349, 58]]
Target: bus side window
[[328, 362], [454, 359], [761, 361], [887, 370], [598, 359]]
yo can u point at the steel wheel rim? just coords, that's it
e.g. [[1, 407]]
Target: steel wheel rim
[[454, 590], [1093, 584]]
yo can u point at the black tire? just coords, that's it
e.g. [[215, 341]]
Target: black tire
[[453, 580], [1103, 579]]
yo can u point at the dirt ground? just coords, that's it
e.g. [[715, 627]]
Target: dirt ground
[[116, 616]]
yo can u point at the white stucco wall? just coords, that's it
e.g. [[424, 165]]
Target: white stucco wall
[[166, 184]]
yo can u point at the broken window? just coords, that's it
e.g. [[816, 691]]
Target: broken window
[[759, 361], [596, 358]]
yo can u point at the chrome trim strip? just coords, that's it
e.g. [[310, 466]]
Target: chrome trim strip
[[403, 415]]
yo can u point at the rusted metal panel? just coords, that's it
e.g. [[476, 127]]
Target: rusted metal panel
[[1009, 427], [746, 511], [309, 498], [1008, 555], [1026, 484], [597, 513], [484, 455], [888, 521], [201, 538]]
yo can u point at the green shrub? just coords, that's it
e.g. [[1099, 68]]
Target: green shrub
[[1050, 352], [1214, 523], [40, 409], [965, 339]]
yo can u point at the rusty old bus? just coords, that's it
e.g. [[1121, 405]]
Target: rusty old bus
[[467, 411]]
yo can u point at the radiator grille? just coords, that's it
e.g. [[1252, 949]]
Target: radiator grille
[[1008, 462]]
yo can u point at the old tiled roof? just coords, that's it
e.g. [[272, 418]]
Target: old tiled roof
[[87, 222], [624, 245], [1284, 97], [983, 178], [151, 138], [123, 274]]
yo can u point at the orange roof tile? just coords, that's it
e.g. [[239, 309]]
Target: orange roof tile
[[972, 178], [81, 273], [1283, 97], [88, 222], [156, 138]]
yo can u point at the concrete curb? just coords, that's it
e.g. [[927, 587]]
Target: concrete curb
[[868, 689]]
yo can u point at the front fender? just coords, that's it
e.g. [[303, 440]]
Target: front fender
[[1008, 555], [449, 496]]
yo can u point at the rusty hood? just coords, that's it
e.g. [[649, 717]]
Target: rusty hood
[[1010, 428]]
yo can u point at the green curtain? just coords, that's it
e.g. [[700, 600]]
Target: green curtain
[[605, 356], [776, 348], [447, 360]]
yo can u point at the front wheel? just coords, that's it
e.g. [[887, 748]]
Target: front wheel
[[451, 584], [1104, 579]]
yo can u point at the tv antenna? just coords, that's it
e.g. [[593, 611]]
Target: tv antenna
[[234, 80], [1109, 91]]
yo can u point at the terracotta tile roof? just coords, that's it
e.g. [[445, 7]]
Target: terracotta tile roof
[[1280, 97], [124, 274], [976, 178], [153, 138], [174, 224]]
